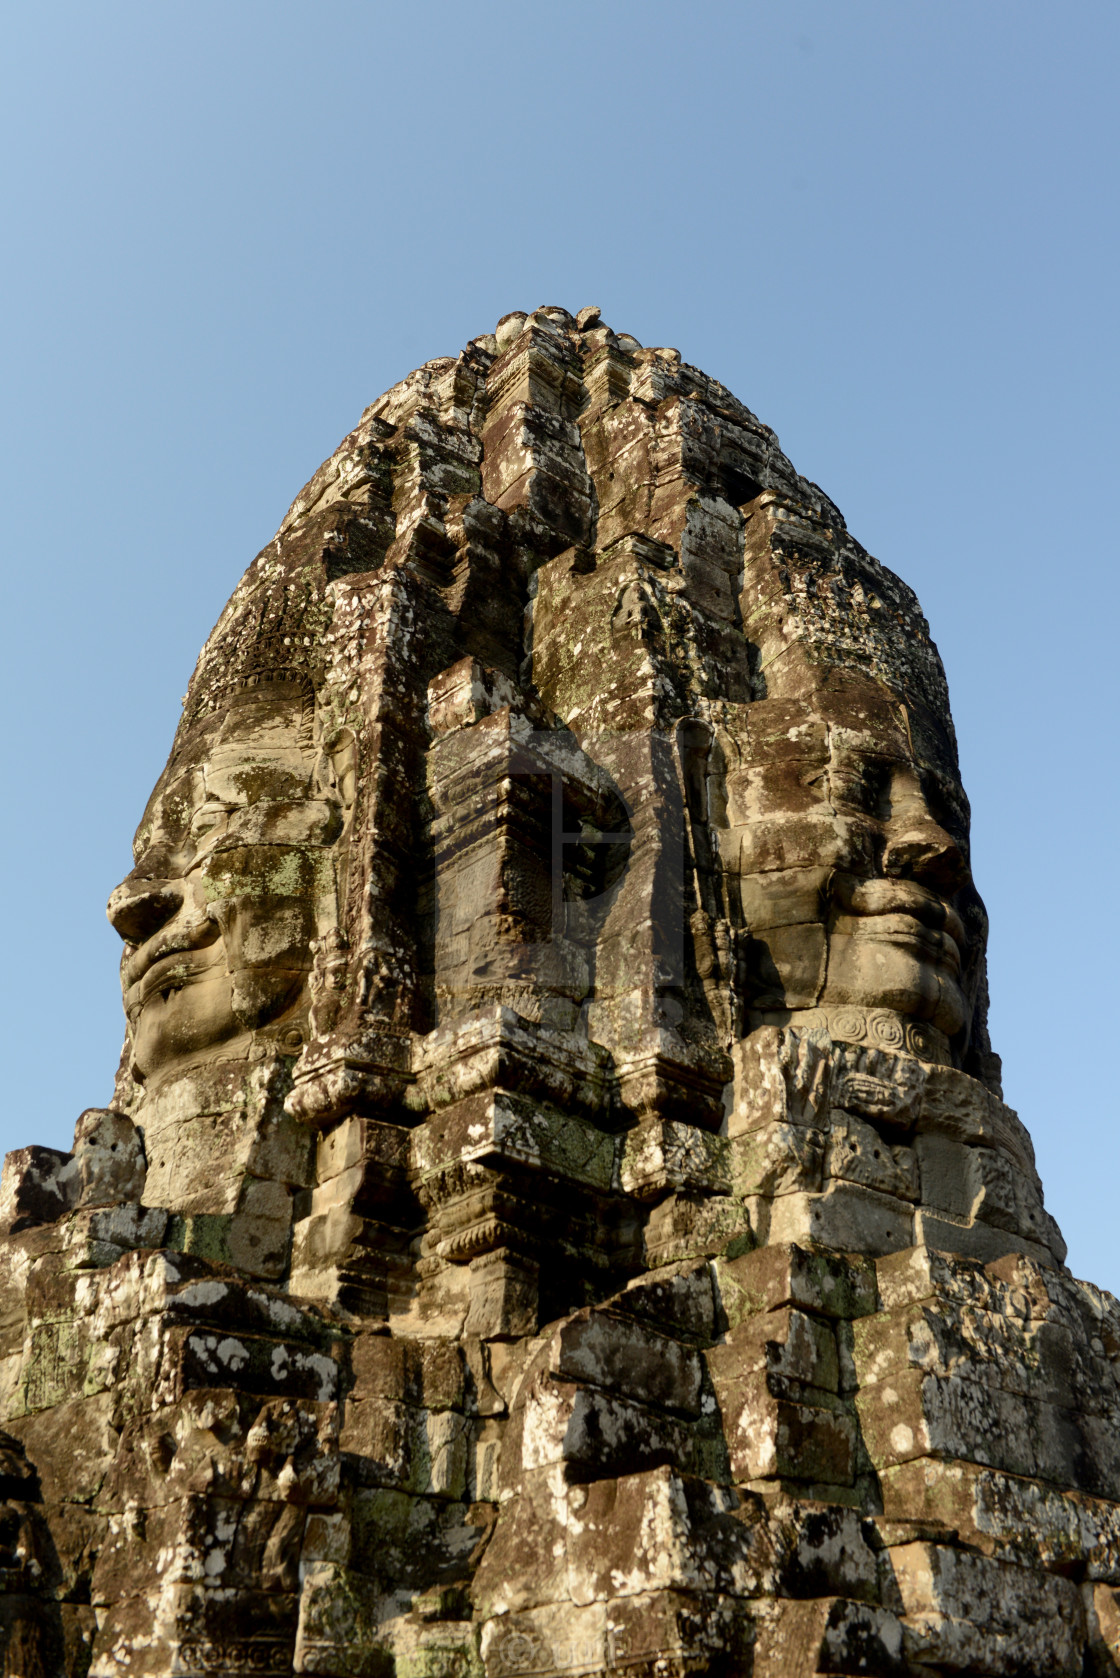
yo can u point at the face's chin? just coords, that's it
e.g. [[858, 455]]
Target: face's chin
[[174, 1025], [181, 1013]]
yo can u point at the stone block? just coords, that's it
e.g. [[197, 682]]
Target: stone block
[[679, 1298], [959, 1107], [915, 1415], [663, 1155], [973, 1184], [484, 1475], [33, 1189], [827, 1635], [188, 1291], [553, 1639], [924, 1272], [339, 1632], [685, 1226], [770, 1436], [218, 1628], [672, 1632], [504, 1296], [786, 1343], [777, 1159], [1032, 1220], [1102, 1612], [973, 1613], [1005, 1515], [1085, 1448], [322, 1240], [482, 1395], [404, 1447], [108, 1165], [196, 1162], [784, 897], [410, 1542], [339, 1149], [846, 1217], [326, 1538], [661, 1531], [336, 1193], [781, 1077], [256, 1242], [526, 1562], [980, 1241], [17, 1255], [259, 1246], [432, 1639], [613, 1351], [361, 1164], [248, 1362], [947, 1175], [100, 1235], [789, 962], [783, 1273], [857, 1153], [501, 1127], [226, 1444], [466, 692], [667, 1074], [821, 1549], [1035, 1359], [72, 1446], [882, 1085], [247, 1546], [427, 1373], [282, 1149], [593, 1432]]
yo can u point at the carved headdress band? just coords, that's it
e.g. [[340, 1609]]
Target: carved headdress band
[[272, 634]]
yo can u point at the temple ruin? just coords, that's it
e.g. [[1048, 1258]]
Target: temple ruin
[[557, 1215]]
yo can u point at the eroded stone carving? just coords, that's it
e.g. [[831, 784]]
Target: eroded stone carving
[[557, 1213]]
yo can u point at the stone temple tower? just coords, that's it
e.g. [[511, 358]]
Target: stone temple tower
[[557, 1215]]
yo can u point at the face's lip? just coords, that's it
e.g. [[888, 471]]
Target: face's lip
[[155, 964], [937, 948], [902, 912], [900, 898]]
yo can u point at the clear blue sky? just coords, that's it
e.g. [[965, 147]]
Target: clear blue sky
[[890, 228]]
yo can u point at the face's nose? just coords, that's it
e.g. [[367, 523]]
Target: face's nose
[[924, 852], [917, 846], [139, 907]]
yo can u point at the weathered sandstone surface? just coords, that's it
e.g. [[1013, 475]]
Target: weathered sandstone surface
[[557, 1214]]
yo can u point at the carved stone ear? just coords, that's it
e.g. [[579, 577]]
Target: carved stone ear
[[337, 767]]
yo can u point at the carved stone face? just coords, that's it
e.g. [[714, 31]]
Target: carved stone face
[[848, 837], [234, 877]]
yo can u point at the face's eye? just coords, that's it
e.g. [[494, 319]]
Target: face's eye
[[208, 819], [862, 785]]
